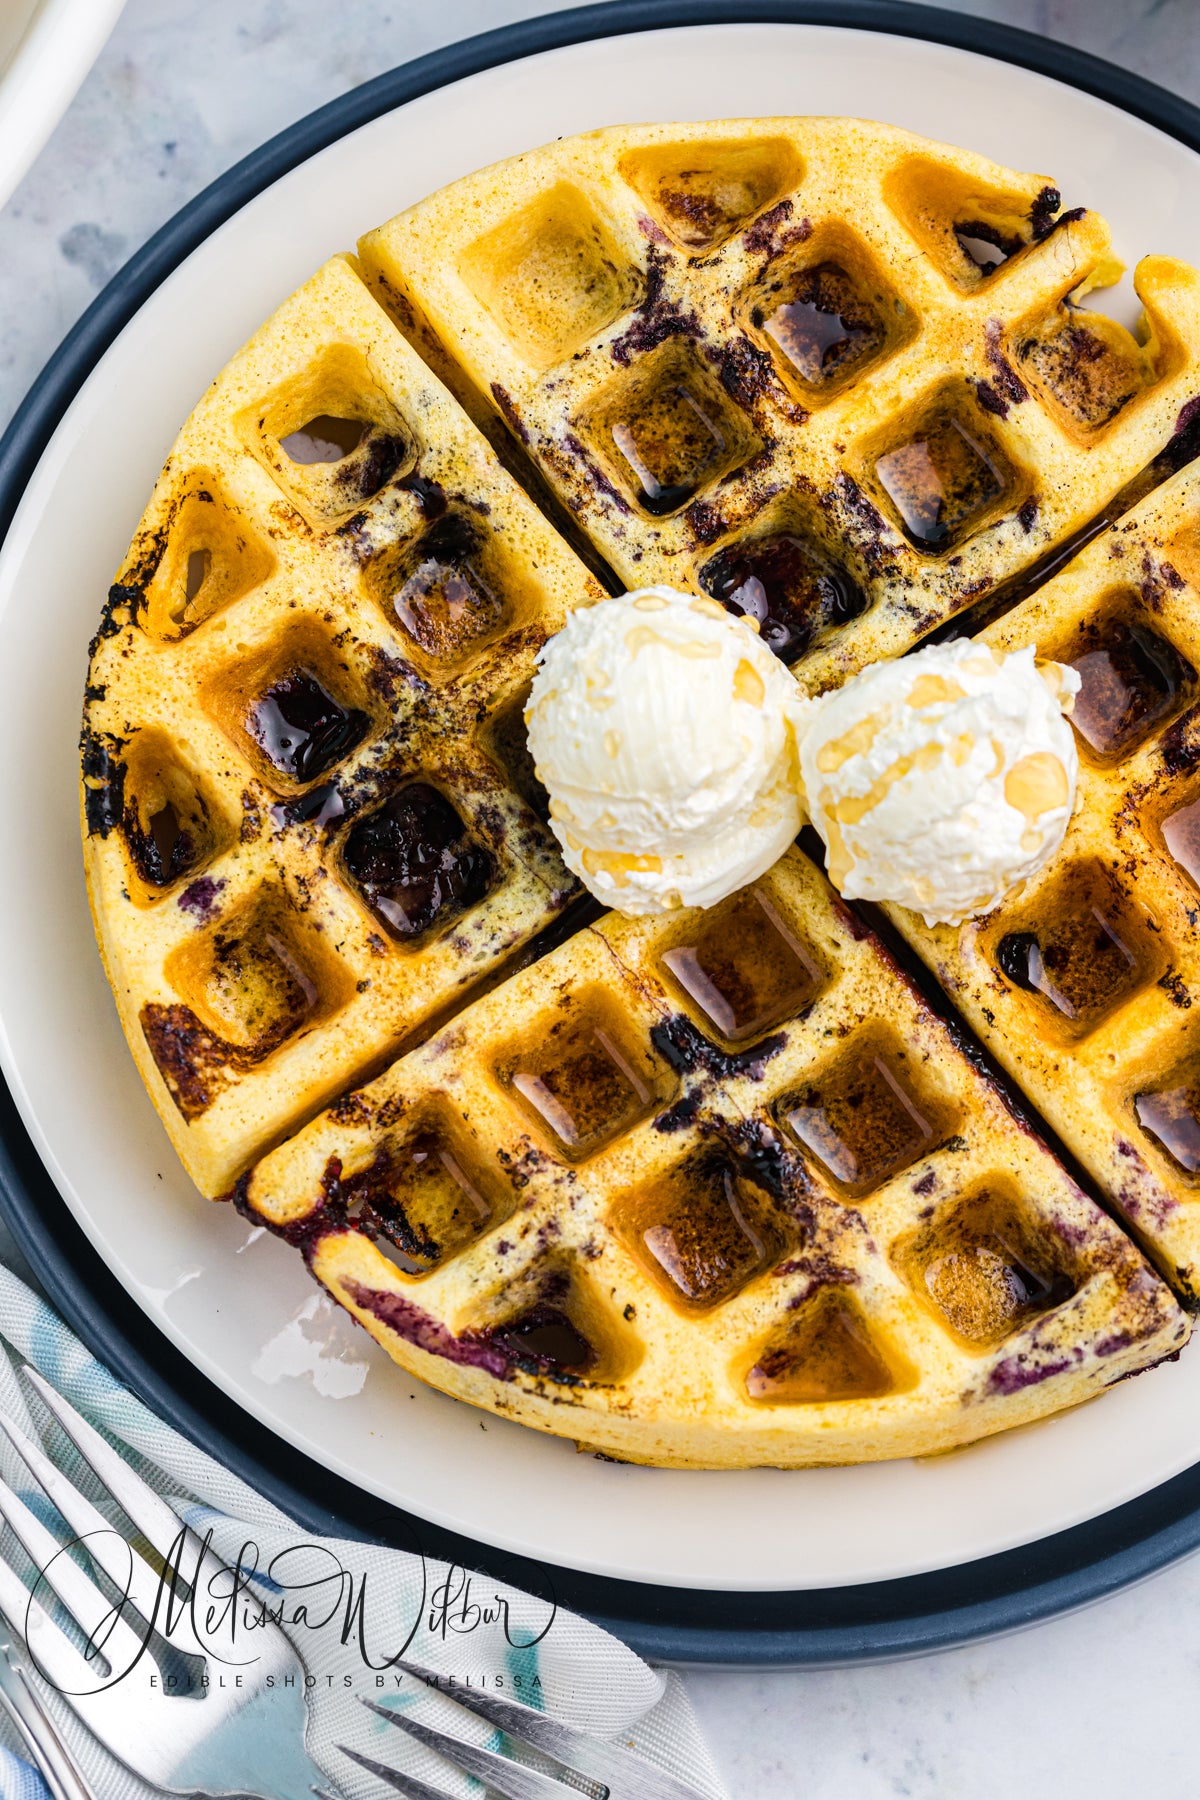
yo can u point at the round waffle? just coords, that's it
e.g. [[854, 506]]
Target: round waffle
[[714, 1190]]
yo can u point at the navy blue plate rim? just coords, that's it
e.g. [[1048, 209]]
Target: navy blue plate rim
[[806, 1628]]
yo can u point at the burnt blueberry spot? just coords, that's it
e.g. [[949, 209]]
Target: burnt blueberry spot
[[322, 805], [414, 863], [789, 587], [1042, 212], [1184, 444], [1086, 956], [429, 494], [688, 1051], [200, 897], [365, 476], [1014, 956], [544, 1340], [165, 849], [103, 781], [301, 729]]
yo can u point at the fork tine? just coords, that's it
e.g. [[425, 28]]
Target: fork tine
[[161, 1526], [158, 1524], [514, 1780], [100, 1621], [408, 1785], [52, 1653], [581, 1751], [122, 1564]]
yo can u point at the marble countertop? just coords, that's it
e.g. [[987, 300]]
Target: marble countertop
[[1094, 1705]]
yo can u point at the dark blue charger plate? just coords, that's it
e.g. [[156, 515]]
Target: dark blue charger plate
[[816, 1627]]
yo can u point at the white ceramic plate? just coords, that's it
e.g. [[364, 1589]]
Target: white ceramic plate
[[46, 49], [240, 1304]]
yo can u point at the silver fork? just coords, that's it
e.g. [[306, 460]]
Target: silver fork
[[36, 1729], [212, 1740], [589, 1764]]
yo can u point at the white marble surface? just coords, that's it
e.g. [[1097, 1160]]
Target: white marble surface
[[1095, 1705]]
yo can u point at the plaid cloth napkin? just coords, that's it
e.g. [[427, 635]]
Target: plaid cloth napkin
[[576, 1670]]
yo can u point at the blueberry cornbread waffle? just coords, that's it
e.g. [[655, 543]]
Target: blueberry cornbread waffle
[[717, 1189], [1084, 982], [302, 772], [702, 1188], [830, 373]]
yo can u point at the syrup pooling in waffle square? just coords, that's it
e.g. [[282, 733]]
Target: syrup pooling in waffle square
[[834, 375], [716, 1189], [1084, 983], [308, 813]]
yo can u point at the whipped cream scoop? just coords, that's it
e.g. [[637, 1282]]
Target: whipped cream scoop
[[665, 732], [944, 778]]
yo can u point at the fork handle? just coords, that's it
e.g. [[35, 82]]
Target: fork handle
[[39, 1733]]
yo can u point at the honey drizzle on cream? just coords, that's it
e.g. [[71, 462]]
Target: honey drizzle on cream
[[855, 807], [748, 684], [642, 636], [840, 860], [1037, 784], [931, 690], [597, 678], [856, 742], [620, 865], [1052, 674]]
